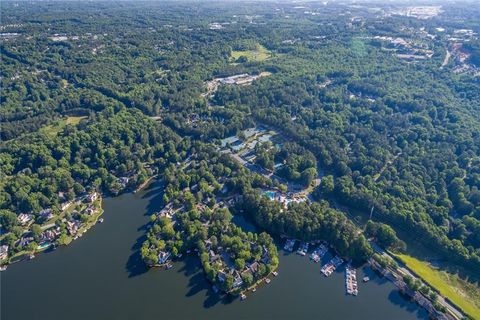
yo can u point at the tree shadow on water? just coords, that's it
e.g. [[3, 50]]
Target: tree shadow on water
[[135, 265], [404, 302], [198, 283], [154, 193], [155, 188], [215, 298]]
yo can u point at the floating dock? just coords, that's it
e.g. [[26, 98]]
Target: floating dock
[[351, 280]]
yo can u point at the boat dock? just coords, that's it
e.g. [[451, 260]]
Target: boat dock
[[351, 280], [289, 244], [318, 253], [333, 264], [303, 249]]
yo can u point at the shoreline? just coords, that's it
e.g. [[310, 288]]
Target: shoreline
[[145, 183], [27, 255]]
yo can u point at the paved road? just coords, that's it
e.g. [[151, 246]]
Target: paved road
[[405, 271]]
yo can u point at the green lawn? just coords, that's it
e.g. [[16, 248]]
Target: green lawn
[[55, 128], [259, 54], [464, 294]]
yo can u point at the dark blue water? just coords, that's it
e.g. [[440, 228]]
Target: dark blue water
[[100, 276]]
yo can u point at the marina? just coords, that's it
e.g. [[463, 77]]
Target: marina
[[351, 280]]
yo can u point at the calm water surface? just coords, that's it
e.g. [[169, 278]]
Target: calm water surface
[[100, 276]]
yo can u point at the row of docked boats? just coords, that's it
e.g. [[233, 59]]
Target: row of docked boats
[[318, 253], [331, 266], [303, 249], [351, 280]]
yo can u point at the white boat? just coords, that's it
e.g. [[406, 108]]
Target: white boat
[[3, 268], [303, 249], [333, 264]]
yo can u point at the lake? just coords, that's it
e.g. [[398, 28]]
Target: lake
[[101, 276]]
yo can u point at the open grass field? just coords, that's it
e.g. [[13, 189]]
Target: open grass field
[[259, 54], [464, 294], [54, 129]]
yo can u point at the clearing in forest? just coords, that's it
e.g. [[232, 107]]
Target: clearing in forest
[[58, 126], [260, 53]]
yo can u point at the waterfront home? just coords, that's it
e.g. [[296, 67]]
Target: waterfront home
[[265, 257], [212, 257], [237, 280], [24, 218], [222, 276], [163, 256], [253, 267], [90, 210], [123, 181], [92, 197], [24, 241], [3, 252], [73, 226], [49, 235]]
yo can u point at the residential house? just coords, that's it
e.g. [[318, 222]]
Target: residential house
[[222, 276], [73, 226], [24, 241], [253, 267], [3, 252], [265, 256], [90, 210], [24, 218], [123, 181], [163, 256], [46, 214], [237, 280], [92, 197], [49, 235]]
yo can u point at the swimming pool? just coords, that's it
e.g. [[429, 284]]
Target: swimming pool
[[270, 194]]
